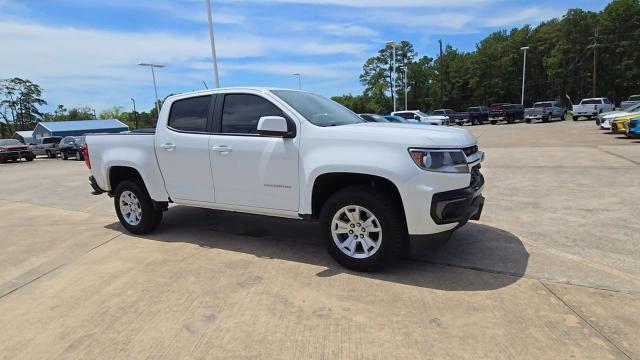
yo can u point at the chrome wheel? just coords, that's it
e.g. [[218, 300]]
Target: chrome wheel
[[130, 208], [356, 232]]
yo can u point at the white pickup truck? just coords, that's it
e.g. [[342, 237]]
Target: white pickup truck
[[373, 186], [591, 108]]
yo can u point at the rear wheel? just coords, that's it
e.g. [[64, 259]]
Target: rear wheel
[[493, 122], [575, 118], [135, 209], [79, 155], [63, 155], [563, 116], [363, 230]]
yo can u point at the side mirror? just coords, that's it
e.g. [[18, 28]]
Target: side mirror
[[273, 126], [416, 117]]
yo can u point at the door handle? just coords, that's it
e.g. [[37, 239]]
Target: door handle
[[223, 149], [168, 146]]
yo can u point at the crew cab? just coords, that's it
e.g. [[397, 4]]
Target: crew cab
[[545, 111], [458, 117], [591, 108], [419, 116], [478, 115], [46, 146], [372, 186], [507, 112]]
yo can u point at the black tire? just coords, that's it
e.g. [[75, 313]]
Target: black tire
[[79, 156], [575, 118], [563, 116], [30, 157], [528, 121], [493, 122], [390, 221], [63, 155], [151, 215]]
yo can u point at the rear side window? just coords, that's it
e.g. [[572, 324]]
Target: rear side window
[[241, 113], [190, 114], [591, 102]]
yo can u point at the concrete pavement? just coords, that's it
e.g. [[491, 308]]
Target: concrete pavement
[[551, 271]]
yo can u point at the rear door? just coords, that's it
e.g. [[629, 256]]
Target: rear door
[[248, 169], [182, 149]]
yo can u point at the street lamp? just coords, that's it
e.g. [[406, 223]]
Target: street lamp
[[135, 113], [299, 80], [214, 58], [393, 73], [524, 71], [155, 87], [406, 74]]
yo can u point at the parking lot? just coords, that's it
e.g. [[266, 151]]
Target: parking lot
[[552, 270]]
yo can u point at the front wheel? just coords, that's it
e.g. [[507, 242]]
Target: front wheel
[[493, 122], [563, 116], [135, 209], [363, 229]]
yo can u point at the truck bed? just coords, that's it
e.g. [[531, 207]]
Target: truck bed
[[126, 149]]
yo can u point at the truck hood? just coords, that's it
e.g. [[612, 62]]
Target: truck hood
[[614, 114], [409, 134]]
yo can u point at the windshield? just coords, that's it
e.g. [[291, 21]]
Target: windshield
[[634, 98], [542, 105], [376, 118], [318, 110], [421, 114], [9, 142]]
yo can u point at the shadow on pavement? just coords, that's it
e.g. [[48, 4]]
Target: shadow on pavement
[[499, 256]]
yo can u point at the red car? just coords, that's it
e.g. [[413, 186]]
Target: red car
[[11, 149]]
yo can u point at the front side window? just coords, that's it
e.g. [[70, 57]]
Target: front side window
[[241, 113], [406, 115], [190, 114]]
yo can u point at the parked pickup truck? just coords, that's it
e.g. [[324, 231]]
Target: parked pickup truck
[[633, 100], [46, 146], [478, 114], [591, 108], [507, 112], [545, 111], [419, 116], [374, 187], [454, 117]]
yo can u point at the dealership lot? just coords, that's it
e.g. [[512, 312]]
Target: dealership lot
[[551, 270]]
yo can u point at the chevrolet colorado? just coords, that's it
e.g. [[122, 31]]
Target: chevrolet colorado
[[373, 186]]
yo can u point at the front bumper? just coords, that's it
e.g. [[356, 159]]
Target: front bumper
[[459, 206], [16, 154]]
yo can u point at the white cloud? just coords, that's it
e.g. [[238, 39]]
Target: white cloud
[[387, 3], [531, 15], [348, 30]]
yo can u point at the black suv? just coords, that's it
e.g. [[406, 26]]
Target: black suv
[[478, 114], [71, 146]]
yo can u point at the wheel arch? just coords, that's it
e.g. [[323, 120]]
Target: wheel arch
[[329, 183]]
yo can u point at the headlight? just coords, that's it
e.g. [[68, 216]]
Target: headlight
[[447, 161]]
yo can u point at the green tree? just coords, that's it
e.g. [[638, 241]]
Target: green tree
[[19, 102]]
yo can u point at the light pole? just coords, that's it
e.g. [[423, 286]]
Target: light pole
[[524, 71], [393, 73], [135, 113], [406, 73], [155, 88], [216, 78], [299, 80]]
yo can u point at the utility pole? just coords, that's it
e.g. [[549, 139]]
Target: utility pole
[[440, 70], [135, 113], [406, 73], [595, 68]]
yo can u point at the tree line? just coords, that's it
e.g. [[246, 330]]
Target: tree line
[[560, 65], [21, 99]]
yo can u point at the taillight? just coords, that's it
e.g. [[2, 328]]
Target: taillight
[[85, 153]]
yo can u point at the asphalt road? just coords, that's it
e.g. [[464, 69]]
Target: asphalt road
[[552, 270]]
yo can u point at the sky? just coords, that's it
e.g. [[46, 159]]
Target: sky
[[85, 52]]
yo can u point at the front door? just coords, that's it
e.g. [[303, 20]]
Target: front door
[[249, 169], [182, 149]]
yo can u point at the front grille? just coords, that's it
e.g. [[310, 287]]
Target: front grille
[[470, 150]]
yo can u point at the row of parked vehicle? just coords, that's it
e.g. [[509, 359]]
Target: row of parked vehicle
[[624, 121], [52, 147]]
